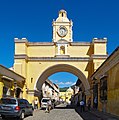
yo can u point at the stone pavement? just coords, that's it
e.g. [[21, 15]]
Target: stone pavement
[[100, 115], [60, 112], [104, 116]]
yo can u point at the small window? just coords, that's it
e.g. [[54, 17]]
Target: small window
[[62, 14], [62, 50], [31, 80]]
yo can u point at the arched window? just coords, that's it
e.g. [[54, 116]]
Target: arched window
[[62, 50], [62, 14]]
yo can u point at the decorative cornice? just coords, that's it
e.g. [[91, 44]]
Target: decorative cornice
[[99, 40], [23, 40], [21, 56], [80, 43], [62, 58], [58, 59], [40, 43], [99, 56]]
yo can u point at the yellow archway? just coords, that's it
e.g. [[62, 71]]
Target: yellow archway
[[61, 68]]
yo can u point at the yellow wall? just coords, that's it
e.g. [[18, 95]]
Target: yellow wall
[[76, 51], [21, 47], [51, 51], [113, 91], [1, 88], [100, 48], [20, 67], [62, 95], [110, 71], [66, 96], [97, 63], [41, 51]]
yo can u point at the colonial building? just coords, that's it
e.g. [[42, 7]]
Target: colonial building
[[66, 95], [106, 84], [11, 83], [50, 89], [78, 93], [36, 61]]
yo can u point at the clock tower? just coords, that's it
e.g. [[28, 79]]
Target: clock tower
[[62, 28]]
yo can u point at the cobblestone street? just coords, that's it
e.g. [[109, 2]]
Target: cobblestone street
[[61, 112]]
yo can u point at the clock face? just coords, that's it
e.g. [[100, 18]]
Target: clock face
[[62, 31]]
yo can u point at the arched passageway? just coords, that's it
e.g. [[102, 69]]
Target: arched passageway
[[62, 68]]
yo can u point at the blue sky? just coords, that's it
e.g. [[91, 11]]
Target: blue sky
[[33, 19], [63, 79]]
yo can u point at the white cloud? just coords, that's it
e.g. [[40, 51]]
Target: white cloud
[[65, 83], [60, 83], [68, 83], [56, 81]]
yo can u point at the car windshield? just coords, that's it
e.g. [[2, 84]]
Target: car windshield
[[7, 101], [45, 100]]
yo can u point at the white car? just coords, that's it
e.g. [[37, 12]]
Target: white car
[[44, 103]]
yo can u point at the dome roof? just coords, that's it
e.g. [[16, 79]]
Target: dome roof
[[62, 11], [62, 16]]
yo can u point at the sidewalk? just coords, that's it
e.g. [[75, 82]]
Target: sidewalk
[[98, 114], [103, 116]]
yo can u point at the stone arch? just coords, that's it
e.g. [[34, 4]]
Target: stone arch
[[61, 68]]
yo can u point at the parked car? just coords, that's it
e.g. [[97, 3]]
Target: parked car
[[44, 102], [15, 108]]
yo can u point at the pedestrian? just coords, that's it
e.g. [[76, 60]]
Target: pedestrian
[[46, 110], [69, 102], [36, 104], [95, 103], [49, 105], [89, 103], [82, 106]]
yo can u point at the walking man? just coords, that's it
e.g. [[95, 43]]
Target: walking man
[[49, 105], [48, 108], [82, 105], [36, 104], [95, 103]]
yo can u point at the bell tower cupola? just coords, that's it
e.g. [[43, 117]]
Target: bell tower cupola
[[62, 13], [62, 28]]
